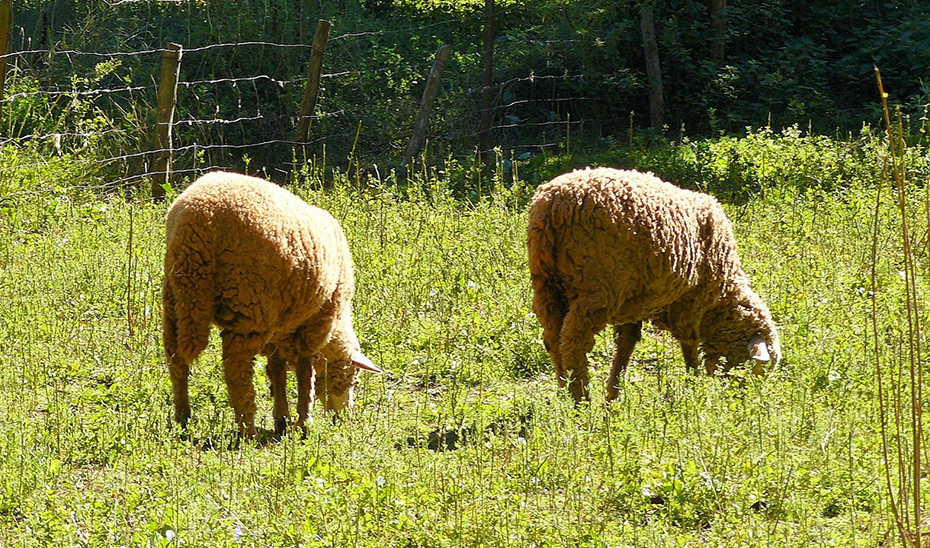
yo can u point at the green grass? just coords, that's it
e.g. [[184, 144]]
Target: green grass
[[465, 440]]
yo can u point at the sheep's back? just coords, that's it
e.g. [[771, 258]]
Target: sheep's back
[[277, 259], [625, 237]]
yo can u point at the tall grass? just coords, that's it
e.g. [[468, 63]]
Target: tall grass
[[465, 440], [899, 370]]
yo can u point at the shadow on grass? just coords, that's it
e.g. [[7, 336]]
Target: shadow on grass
[[454, 438]]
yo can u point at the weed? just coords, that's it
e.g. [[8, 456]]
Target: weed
[[466, 439]]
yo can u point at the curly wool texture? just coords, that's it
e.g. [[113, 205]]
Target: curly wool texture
[[275, 275], [617, 247]]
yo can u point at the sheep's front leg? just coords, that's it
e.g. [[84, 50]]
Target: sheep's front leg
[[577, 339], [625, 338], [305, 388], [712, 363], [238, 354]]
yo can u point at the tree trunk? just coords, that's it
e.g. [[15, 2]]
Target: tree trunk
[[719, 21], [6, 23], [487, 58], [653, 68]]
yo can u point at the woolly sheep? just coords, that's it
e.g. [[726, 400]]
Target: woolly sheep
[[616, 247], [275, 275]]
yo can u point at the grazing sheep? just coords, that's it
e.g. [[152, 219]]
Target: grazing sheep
[[275, 275], [618, 247]]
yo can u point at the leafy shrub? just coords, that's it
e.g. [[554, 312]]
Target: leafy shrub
[[568, 76]]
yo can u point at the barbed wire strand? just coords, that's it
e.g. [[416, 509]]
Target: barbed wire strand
[[477, 18], [243, 118]]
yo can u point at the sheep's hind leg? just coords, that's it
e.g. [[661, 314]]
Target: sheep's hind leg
[[277, 375], [180, 371], [550, 308], [178, 367], [238, 354], [552, 331], [577, 339], [625, 338], [689, 350]]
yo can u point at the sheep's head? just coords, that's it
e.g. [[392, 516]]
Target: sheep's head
[[336, 373], [739, 334]]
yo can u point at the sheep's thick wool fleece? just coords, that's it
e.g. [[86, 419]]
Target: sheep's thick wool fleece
[[253, 258], [633, 244]]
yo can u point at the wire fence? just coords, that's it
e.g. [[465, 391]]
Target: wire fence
[[97, 108]]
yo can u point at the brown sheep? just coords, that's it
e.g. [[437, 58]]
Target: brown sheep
[[618, 247], [275, 275]]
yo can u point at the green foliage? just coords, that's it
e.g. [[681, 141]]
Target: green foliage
[[560, 67], [737, 168], [466, 439]]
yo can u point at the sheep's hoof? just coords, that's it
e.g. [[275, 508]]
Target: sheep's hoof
[[579, 391], [247, 432], [613, 390], [280, 426], [582, 399], [182, 415]]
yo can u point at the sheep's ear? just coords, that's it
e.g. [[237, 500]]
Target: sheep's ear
[[362, 362], [758, 350]]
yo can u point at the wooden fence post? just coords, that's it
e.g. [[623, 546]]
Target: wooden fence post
[[6, 22], [426, 104], [312, 91], [167, 98], [484, 133]]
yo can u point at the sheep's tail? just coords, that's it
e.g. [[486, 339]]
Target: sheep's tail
[[188, 300], [540, 237], [549, 299]]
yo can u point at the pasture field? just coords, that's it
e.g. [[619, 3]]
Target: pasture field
[[465, 439]]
